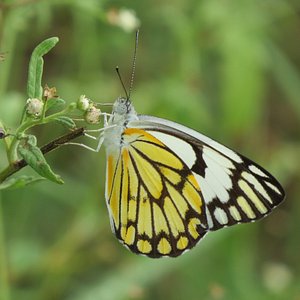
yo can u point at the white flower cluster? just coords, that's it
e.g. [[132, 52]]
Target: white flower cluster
[[34, 107], [92, 114]]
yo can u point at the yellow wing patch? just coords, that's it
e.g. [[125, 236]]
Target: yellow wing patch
[[114, 191], [154, 200]]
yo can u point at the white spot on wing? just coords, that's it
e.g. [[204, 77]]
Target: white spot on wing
[[273, 187], [217, 161], [216, 186], [209, 219], [235, 213], [257, 171], [183, 149], [207, 192], [218, 158], [217, 174], [220, 216]]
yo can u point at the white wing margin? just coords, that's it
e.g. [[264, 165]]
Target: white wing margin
[[235, 189]]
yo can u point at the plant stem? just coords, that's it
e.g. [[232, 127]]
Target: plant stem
[[19, 164], [12, 154], [4, 278]]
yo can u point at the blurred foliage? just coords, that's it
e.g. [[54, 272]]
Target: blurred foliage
[[229, 69]]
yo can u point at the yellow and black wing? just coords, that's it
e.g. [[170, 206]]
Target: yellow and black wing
[[155, 202], [168, 185]]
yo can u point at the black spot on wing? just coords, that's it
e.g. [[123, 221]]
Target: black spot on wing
[[199, 165]]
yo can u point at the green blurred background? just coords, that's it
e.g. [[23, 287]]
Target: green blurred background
[[229, 69]]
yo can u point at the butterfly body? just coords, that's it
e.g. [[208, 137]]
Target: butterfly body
[[168, 185]]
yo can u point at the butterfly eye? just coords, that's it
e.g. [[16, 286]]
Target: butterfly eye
[[122, 100]]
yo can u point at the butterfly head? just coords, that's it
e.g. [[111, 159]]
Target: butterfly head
[[122, 112], [123, 107]]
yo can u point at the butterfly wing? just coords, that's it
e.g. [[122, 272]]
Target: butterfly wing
[[234, 189], [155, 203]]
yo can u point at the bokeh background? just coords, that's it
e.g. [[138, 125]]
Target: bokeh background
[[229, 69]]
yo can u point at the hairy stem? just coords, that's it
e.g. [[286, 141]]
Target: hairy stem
[[19, 164]]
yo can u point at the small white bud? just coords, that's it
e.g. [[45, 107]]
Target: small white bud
[[34, 106], [83, 103], [93, 115]]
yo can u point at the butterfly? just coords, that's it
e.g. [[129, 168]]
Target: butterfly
[[168, 185]]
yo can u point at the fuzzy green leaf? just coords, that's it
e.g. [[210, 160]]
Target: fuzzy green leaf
[[35, 72], [34, 157], [66, 121], [55, 102], [19, 182]]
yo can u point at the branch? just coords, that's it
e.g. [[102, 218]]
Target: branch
[[18, 165]]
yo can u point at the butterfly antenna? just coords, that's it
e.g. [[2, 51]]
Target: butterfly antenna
[[122, 82], [133, 62]]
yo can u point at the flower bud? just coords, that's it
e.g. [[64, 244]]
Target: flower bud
[[34, 106], [72, 105], [93, 115], [49, 93], [83, 103]]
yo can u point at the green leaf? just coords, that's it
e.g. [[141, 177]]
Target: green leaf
[[66, 121], [34, 157], [55, 102], [19, 182], [35, 72]]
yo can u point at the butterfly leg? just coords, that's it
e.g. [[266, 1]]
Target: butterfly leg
[[81, 145], [97, 130], [91, 137], [105, 119], [100, 137]]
